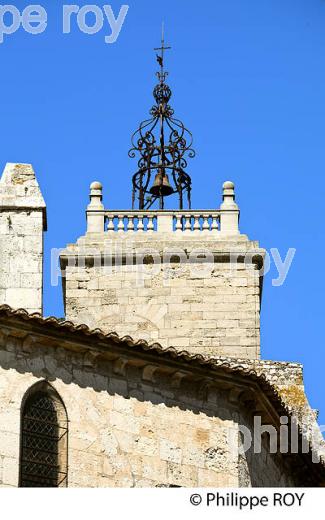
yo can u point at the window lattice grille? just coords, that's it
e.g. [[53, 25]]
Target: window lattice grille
[[41, 434]]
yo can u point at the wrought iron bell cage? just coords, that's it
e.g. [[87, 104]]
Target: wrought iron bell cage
[[162, 145]]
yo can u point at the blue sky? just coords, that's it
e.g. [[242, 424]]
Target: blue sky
[[248, 79]]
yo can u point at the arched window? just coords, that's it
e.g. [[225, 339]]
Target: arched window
[[44, 438]]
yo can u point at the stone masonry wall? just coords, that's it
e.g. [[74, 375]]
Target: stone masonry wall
[[212, 308], [22, 222], [124, 431], [21, 259]]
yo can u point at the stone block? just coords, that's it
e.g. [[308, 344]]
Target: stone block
[[10, 471]]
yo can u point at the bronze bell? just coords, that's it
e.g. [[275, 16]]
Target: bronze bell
[[161, 186]]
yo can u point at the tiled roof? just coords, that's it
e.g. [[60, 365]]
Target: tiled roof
[[240, 366], [235, 366]]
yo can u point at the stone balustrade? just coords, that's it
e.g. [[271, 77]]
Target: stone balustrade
[[223, 221], [196, 221], [122, 221], [154, 221]]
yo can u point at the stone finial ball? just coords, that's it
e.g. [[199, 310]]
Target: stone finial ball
[[228, 185], [96, 186]]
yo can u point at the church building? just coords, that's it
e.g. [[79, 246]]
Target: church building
[[154, 378]]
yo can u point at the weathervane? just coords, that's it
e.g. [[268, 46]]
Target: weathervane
[[162, 75], [163, 144]]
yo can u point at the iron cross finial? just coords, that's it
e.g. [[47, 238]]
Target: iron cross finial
[[160, 58]]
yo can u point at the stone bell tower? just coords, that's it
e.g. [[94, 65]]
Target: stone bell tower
[[183, 278]]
